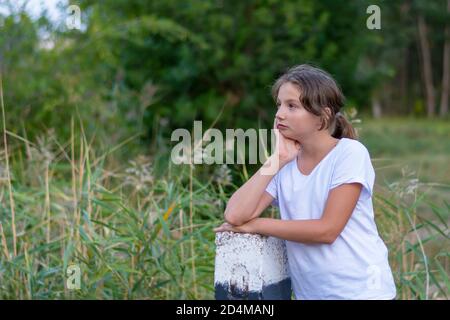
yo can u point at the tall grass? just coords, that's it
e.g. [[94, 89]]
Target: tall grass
[[416, 231], [133, 234], [142, 229]]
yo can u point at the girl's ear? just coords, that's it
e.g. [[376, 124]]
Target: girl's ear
[[325, 118]]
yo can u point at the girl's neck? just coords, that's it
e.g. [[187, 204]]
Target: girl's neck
[[317, 147]]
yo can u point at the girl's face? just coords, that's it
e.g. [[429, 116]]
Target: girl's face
[[292, 119]]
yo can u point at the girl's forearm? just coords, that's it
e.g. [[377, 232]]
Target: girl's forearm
[[244, 201], [304, 231]]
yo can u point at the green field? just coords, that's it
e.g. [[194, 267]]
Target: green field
[[137, 231]]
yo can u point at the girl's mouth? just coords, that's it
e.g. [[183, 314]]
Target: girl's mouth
[[280, 126]]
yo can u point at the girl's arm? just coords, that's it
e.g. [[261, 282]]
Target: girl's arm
[[340, 205], [251, 199]]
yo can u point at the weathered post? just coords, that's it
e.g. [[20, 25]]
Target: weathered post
[[250, 267]]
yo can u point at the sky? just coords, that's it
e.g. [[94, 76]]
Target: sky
[[55, 12], [35, 7]]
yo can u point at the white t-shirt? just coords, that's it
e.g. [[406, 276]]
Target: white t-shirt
[[355, 265]]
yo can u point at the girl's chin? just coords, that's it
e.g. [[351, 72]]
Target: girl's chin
[[289, 135], [286, 134]]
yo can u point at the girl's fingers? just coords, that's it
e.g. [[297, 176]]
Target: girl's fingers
[[276, 131], [223, 227], [227, 227]]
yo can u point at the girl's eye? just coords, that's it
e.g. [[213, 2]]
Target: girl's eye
[[291, 106]]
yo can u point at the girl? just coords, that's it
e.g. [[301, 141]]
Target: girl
[[323, 188]]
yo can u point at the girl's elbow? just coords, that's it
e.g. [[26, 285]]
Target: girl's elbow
[[233, 218], [329, 236], [330, 240], [325, 233]]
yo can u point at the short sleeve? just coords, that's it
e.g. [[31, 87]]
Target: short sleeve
[[354, 165], [272, 189]]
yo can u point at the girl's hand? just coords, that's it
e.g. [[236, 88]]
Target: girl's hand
[[286, 148], [245, 228]]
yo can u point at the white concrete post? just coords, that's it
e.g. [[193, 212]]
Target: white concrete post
[[250, 266]]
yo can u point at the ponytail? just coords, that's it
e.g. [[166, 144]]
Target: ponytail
[[343, 128]]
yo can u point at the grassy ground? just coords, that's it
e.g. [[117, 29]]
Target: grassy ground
[[414, 151], [421, 144], [139, 227]]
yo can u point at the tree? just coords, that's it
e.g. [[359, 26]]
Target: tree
[[426, 65], [446, 68]]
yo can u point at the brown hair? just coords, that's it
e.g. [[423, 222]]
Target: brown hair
[[319, 90]]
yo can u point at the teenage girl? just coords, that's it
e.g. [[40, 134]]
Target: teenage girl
[[323, 188]]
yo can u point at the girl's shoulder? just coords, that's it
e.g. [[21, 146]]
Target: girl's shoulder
[[352, 146]]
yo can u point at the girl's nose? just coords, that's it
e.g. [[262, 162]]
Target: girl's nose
[[280, 114]]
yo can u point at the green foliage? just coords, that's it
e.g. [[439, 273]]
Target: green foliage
[[82, 107], [130, 228]]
